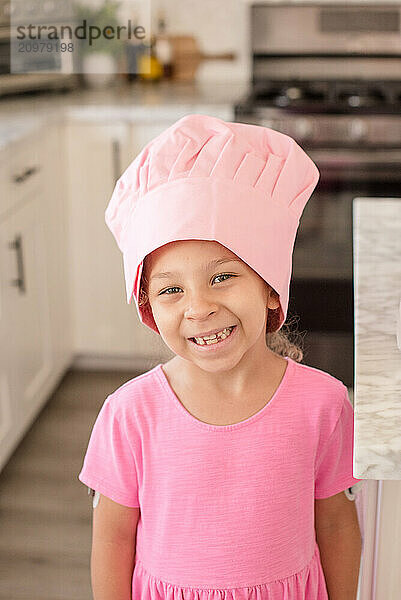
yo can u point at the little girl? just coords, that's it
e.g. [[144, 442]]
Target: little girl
[[221, 473]]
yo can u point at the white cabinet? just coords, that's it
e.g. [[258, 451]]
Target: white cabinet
[[106, 329], [142, 134], [57, 244], [97, 154], [34, 351], [26, 304]]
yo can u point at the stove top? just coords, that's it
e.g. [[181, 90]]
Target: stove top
[[326, 96]]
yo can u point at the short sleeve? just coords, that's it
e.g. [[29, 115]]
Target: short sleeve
[[334, 466], [109, 463]]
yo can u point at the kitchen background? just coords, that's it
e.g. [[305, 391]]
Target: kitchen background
[[326, 73]]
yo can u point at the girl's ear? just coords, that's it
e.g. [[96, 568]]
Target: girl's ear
[[274, 299]]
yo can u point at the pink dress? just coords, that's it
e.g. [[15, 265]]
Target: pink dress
[[227, 511]]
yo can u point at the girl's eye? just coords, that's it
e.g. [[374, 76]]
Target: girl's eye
[[177, 288], [223, 275]]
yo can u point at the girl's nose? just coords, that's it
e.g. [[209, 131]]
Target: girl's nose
[[200, 307]]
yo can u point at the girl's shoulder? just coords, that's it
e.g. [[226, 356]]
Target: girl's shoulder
[[131, 395], [319, 401], [318, 386], [313, 374]]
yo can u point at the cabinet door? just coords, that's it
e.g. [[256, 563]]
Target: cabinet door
[[24, 317], [96, 156], [5, 309], [6, 422], [142, 134], [55, 214]]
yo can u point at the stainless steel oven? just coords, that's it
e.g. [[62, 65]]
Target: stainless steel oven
[[329, 76]]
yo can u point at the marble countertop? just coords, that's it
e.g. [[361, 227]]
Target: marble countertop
[[144, 102], [377, 285]]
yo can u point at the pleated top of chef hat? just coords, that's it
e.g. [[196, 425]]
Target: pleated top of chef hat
[[242, 185]]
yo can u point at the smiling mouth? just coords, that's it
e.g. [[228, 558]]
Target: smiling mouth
[[214, 341]]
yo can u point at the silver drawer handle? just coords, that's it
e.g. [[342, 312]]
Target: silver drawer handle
[[27, 173], [19, 282]]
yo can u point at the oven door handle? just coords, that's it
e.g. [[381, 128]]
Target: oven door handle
[[362, 166], [375, 159]]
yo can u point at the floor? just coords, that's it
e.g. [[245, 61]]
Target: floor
[[45, 511]]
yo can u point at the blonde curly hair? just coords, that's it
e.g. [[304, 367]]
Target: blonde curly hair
[[284, 343]]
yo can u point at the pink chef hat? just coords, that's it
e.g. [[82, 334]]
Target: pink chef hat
[[242, 185]]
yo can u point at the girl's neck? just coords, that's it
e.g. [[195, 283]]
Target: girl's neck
[[243, 380]]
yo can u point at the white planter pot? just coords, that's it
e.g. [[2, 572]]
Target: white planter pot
[[99, 69]]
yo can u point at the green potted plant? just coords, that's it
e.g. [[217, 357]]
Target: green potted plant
[[99, 53]]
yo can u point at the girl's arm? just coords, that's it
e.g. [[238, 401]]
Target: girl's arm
[[113, 549], [340, 545]]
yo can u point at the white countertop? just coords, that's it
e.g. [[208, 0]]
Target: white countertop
[[377, 393], [144, 102]]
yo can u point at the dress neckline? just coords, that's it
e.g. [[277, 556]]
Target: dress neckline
[[209, 426]]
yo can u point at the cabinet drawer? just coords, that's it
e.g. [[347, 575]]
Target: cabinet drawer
[[20, 173]]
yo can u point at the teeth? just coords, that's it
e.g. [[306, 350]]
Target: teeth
[[213, 339]]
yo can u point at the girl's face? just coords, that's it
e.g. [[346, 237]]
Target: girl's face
[[194, 296]]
